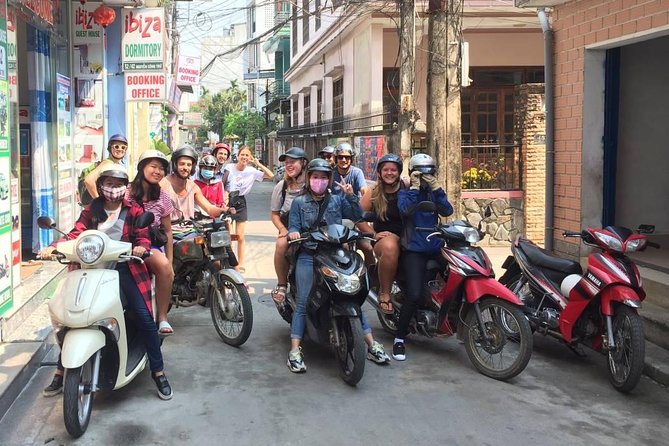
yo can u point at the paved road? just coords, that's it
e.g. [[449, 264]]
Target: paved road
[[247, 396]]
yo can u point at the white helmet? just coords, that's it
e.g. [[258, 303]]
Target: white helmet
[[423, 163]]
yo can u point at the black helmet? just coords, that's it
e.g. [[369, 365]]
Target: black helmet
[[184, 151], [319, 165], [208, 161], [389, 158], [294, 153]]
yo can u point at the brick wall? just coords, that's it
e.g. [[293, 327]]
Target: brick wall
[[576, 25], [530, 132]]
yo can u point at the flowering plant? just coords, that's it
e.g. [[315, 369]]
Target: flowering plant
[[492, 174]]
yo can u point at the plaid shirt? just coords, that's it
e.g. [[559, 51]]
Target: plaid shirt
[[137, 236]]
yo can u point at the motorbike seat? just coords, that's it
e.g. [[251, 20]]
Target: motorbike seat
[[543, 258]]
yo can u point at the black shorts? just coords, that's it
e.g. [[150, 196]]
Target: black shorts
[[239, 203]]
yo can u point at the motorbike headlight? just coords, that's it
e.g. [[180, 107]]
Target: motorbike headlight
[[110, 324], [635, 245], [472, 235], [89, 248], [220, 239], [612, 242], [348, 283]]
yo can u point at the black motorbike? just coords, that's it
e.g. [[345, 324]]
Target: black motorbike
[[339, 290], [204, 274]]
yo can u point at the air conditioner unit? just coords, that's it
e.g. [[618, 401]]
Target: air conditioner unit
[[121, 3]]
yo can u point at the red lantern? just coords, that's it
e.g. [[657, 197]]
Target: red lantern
[[104, 16]]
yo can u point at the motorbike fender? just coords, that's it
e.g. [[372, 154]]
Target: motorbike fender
[[79, 345], [477, 287], [232, 275], [348, 309], [617, 293]]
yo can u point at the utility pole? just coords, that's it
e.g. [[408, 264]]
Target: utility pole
[[407, 75], [453, 110]]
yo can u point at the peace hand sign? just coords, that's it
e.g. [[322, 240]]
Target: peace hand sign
[[345, 187]]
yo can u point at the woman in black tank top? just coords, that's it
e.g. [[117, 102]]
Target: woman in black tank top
[[382, 200]]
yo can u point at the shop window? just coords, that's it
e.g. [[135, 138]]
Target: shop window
[[338, 103], [307, 109], [319, 105], [295, 113]]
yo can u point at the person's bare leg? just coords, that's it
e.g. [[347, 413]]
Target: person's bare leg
[[160, 266], [280, 263], [239, 230]]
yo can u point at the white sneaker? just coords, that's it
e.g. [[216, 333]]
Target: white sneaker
[[296, 361]]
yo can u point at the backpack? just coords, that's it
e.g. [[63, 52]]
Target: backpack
[[84, 196]]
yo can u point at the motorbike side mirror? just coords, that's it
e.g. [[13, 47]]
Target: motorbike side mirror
[[646, 229], [369, 216], [426, 206], [145, 220], [45, 222]]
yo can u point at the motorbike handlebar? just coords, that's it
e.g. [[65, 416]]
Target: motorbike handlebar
[[571, 234], [653, 245]]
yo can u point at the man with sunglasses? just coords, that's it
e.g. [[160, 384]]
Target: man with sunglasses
[[116, 148], [346, 172]]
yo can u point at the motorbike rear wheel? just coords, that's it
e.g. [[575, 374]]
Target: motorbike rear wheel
[[626, 360], [507, 334], [78, 398], [231, 312], [351, 351]]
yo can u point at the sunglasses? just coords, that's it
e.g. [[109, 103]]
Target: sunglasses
[[344, 157], [119, 146]]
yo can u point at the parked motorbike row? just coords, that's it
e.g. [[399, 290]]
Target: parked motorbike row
[[102, 350]]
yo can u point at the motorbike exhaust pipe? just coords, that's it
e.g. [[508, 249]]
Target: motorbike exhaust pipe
[[373, 299]]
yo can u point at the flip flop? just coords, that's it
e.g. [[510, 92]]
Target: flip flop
[[279, 295], [165, 329], [386, 306]]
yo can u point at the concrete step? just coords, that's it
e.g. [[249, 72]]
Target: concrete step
[[656, 285], [655, 323], [18, 363], [29, 296], [657, 363]]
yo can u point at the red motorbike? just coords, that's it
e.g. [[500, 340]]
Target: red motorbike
[[465, 298], [597, 308]]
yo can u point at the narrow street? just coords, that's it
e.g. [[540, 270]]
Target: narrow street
[[247, 396]]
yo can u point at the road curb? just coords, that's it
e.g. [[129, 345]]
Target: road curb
[[657, 364]]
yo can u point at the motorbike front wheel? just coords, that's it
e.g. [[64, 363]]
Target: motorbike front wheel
[[626, 360], [505, 348], [351, 350], [231, 312], [78, 398]]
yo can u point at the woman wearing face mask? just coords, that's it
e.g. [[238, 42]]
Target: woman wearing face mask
[[295, 161], [303, 213], [111, 214], [210, 185]]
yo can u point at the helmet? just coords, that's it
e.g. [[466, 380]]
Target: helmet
[[219, 146], [344, 148], [295, 153], [319, 165], [117, 137], [112, 171], [181, 152], [208, 161], [150, 155], [326, 150], [389, 158], [422, 163]]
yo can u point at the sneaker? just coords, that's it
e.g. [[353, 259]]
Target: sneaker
[[377, 353], [55, 387], [164, 388], [296, 361], [398, 351]]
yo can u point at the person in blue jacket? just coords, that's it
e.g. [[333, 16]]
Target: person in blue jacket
[[302, 218], [417, 250]]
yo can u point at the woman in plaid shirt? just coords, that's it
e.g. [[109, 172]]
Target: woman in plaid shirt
[[105, 214]]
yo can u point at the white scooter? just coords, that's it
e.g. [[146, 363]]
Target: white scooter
[[100, 347]]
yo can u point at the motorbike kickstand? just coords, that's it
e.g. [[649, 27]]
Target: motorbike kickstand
[[577, 350]]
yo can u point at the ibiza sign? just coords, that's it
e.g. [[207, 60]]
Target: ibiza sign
[[144, 39]]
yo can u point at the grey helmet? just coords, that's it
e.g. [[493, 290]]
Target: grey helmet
[[423, 163], [327, 150], [208, 161], [345, 148]]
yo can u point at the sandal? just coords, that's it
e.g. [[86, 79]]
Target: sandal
[[165, 329], [279, 295], [385, 305]]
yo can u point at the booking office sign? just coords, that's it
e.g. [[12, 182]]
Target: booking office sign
[[5, 211]]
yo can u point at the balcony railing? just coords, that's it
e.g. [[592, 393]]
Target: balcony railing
[[280, 90], [490, 166], [374, 121]]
